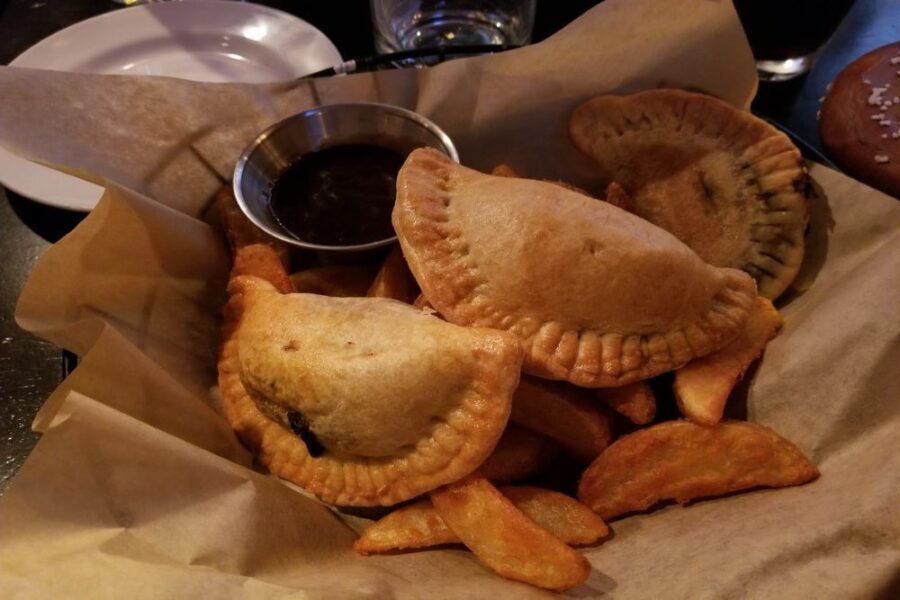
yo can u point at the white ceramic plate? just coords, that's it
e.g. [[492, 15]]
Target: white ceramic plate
[[202, 40]]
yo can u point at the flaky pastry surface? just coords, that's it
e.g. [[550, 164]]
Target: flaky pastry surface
[[597, 296]]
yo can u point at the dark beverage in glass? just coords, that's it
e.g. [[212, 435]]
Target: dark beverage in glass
[[786, 34]]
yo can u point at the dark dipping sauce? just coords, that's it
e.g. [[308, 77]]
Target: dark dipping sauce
[[339, 196]]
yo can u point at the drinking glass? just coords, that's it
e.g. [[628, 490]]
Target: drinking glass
[[786, 35], [412, 24]]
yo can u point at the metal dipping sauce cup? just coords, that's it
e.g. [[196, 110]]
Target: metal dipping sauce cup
[[286, 142]]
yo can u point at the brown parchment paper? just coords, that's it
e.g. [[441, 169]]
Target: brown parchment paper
[[177, 141], [138, 489]]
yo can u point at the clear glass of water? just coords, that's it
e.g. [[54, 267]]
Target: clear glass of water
[[412, 24]]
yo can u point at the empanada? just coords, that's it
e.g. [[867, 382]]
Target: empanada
[[362, 401], [726, 183], [598, 296]]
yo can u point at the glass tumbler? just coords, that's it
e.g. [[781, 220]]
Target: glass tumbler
[[786, 35], [412, 24]]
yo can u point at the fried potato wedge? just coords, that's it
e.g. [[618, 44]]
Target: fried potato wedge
[[419, 525], [565, 517], [520, 453], [416, 525], [261, 260], [564, 414], [681, 460], [504, 539], [634, 401], [394, 279], [702, 386], [338, 281]]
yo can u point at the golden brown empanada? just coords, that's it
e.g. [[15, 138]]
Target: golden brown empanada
[[726, 183], [598, 296], [362, 401]]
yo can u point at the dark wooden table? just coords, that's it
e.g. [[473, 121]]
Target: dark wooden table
[[30, 368]]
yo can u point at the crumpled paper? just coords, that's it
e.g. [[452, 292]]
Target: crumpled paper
[[177, 141], [139, 489]]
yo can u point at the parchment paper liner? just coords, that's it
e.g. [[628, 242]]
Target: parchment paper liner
[[137, 489]]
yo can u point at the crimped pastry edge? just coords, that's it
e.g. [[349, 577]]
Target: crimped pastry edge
[[453, 450], [587, 357]]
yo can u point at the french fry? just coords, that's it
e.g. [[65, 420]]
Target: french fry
[[519, 454], [416, 525], [261, 260], [634, 401], [504, 539], [681, 460], [334, 280], [617, 196], [394, 279], [565, 517], [702, 386], [564, 414], [419, 525]]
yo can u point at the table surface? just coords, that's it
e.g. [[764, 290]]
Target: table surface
[[30, 368]]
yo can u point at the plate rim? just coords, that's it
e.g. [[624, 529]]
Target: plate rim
[[79, 199], [153, 6]]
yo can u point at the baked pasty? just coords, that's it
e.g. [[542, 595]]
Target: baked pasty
[[362, 401], [598, 296], [724, 182]]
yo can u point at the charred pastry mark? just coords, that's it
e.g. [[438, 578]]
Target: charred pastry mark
[[771, 256], [300, 427], [756, 268], [708, 190]]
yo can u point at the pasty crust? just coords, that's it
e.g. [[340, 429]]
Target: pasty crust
[[726, 183], [597, 296], [401, 402]]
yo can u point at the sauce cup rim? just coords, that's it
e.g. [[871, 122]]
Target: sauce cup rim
[[237, 179]]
